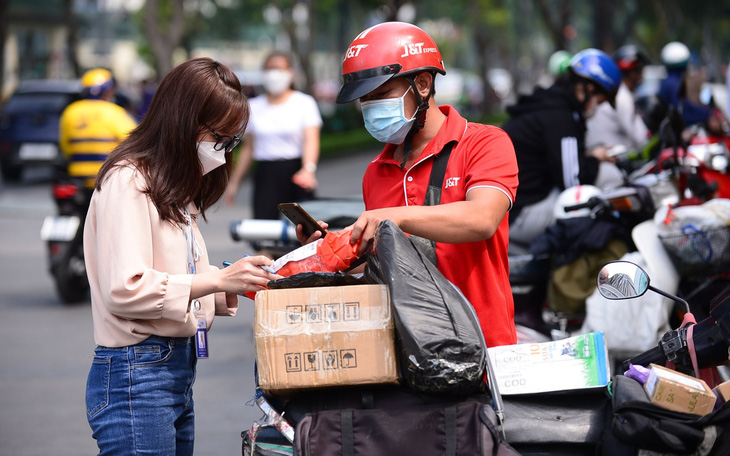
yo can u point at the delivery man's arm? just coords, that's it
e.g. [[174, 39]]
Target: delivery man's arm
[[475, 219]]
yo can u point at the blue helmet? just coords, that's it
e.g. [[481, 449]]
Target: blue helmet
[[599, 68]]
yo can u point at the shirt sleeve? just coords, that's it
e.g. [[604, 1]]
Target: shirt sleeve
[[491, 161], [310, 111], [125, 254], [566, 159]]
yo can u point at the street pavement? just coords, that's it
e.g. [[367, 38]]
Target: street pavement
[[46, 347]]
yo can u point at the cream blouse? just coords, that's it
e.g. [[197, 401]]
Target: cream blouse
[[137, 266]]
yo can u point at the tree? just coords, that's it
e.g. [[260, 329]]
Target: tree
[[3, 34], [72, 37], [163, 25]]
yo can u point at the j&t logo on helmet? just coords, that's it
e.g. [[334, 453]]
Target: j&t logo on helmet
[[415, 49], [354, 51]]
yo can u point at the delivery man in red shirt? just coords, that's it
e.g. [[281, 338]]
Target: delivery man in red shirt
[[390, 68]]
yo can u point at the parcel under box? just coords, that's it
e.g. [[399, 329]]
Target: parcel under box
[[325, 336]]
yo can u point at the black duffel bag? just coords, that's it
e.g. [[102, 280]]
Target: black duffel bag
[[395, 421]]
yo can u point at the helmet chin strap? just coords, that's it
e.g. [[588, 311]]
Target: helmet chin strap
[[422, 104]]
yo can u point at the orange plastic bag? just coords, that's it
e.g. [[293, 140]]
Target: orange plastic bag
[[333, 253]]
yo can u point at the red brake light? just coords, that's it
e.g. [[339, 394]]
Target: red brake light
[[64, 191]]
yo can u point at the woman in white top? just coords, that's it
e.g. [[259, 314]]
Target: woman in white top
[[283, 140], [153, 292]]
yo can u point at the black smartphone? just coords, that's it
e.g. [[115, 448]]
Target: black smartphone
[[299, 216]]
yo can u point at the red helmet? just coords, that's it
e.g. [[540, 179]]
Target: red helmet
[[382, 52]]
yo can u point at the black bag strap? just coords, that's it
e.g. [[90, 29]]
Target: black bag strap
[[450, 426], [348, 438], [438, 172], [433, 196]]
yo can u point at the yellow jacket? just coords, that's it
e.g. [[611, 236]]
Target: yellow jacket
[[89, 130]]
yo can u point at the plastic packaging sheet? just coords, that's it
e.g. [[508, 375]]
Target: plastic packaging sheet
[[440, 342], [315, 279]]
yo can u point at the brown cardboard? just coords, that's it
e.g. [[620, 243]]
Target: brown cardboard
[[679, 392], [328, 336]]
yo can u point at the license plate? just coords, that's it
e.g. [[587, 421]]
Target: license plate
[[39, 151], [60, 228]]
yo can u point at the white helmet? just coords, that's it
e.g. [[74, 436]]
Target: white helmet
[[575, 195], [675, 55]]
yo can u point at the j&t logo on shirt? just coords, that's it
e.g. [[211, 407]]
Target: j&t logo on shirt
[[452, 182]]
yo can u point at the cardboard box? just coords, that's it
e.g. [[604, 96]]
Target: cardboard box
[[673, 390], [575, 363], [328, 336]]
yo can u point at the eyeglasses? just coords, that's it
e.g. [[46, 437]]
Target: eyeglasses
[[224, 142]]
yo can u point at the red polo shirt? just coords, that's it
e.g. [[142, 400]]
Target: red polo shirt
[[483, 157]]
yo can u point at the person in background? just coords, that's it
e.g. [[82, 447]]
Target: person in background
[[622, 125], [681, 88], [557, 66], [90, 128], [154, 293], [391, 69], [283, 140], [548, 132]]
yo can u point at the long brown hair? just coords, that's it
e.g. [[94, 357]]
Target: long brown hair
[[163, 147]]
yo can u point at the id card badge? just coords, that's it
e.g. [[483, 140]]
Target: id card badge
[[201, 335]]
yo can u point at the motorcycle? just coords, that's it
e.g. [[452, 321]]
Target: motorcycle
[[568, 422], [64, 234], [530, 274]]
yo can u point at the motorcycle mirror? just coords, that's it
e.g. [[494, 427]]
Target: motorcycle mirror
[[622, 280], [625, 280]]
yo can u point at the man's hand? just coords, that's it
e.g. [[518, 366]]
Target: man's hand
[[601, 153], [364, 228], [316, 235]]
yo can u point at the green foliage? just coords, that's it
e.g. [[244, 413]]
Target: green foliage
[[347, 142]]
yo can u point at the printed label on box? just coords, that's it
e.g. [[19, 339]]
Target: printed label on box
[[316, 360], [332, 312], [352, 311], [293, 362], [348, 358], [294, 315], [314, 313]]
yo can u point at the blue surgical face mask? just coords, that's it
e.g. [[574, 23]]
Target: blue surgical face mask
[[386, 120]]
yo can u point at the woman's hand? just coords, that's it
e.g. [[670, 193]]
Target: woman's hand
[[247, 274], [305, 178]]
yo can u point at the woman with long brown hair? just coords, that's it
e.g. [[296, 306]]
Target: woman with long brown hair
[[153, 292]]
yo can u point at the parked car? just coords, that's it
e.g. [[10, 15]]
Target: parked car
[[29, 125]]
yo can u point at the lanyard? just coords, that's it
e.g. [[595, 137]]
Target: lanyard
[[201, 334], [193, 247]]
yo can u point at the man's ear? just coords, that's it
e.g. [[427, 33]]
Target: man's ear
[[424, 82]]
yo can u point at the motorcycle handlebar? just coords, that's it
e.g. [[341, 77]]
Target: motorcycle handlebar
[[654, 355], [588, 204], [711, 346]]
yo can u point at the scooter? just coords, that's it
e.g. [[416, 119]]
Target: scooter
[[530, 273], [64, 235], [565, 422]]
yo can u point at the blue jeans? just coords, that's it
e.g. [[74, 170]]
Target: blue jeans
[[139, 399]]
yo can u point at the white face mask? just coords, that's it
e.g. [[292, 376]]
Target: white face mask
[[277, 81], [209, 157]]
